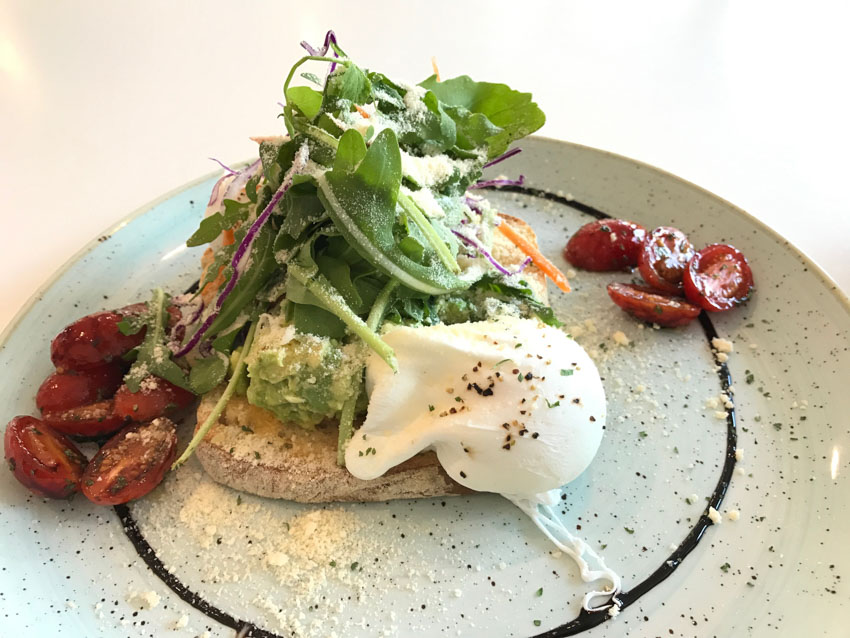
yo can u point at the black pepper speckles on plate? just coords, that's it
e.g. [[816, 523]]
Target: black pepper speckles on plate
[[474, 565]]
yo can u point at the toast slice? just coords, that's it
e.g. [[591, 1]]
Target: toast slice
[[251, 450]]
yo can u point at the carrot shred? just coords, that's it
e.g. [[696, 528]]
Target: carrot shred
[[548, 268], [227, 237], [435, 67], [362, 111]]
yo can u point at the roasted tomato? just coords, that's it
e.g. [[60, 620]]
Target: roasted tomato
[[94, 340], [88, 421], [131, 463], [718, 278], [44, 460], [663, 259], [606, 244], [648, 304], [156, 397], [72, 389]]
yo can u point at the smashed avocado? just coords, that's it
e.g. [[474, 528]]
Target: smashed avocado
[[301, 378]]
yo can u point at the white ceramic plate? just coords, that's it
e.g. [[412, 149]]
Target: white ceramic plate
[[475, 566]]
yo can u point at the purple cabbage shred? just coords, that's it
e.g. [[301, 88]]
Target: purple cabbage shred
[[483, 251], [503, 157], [330, 36], [241, 250], [499, 182]]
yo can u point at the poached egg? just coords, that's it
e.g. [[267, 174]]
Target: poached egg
[[509, 406]]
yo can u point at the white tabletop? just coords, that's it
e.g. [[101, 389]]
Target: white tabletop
[[105, 106]]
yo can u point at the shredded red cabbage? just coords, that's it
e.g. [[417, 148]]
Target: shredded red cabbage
[[243, 248], [330, 36], [473, 205], [503, 157], [480, 248], [499, 182], [224, 166]]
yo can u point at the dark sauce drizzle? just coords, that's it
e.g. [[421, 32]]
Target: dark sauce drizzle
[[585, 620], [143, 548]]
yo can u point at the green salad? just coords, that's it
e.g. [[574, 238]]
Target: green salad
[[364, 211]]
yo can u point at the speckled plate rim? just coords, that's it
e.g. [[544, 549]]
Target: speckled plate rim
[[110, 230], [832, 285]]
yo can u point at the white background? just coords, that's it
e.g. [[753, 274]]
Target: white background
[[104, 106]]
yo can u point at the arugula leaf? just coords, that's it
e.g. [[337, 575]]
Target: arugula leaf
[[338, 274], [154, 357], [433, 132], [304, 269], [350, 152], [412, 248], [305, 99], [251, 281], [208, 372], [388, 95], [276, 159], [224, 343], [362, 205], [209, 229], [349, 84], [318, 321], [312, 77], [503, 291], [510, 111], [301, 209], [131, 324]]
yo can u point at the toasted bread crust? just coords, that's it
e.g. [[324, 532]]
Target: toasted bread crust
[[250, 450]]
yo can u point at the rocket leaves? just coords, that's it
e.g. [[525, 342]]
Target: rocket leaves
[[362, 204], [153, 356], [510, 114]]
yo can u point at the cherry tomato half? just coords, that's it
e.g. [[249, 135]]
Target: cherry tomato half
[[606, 244], [718, 278], [93, 340], [65, 390], [156, 397], [131, 463], [650, 305], [88, 421], [663, 259], [45, 461]]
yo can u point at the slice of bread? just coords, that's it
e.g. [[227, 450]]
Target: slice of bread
[[249, 449]]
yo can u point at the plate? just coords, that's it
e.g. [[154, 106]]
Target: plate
[[198, 559]]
